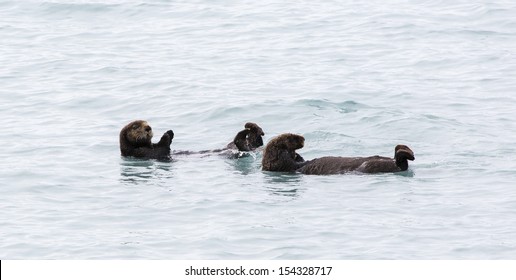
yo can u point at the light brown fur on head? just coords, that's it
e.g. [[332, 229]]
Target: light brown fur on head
[[138, 133], [135, 141]]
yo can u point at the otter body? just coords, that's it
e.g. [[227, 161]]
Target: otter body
[[247, 140], [280, 155], [135, 141]]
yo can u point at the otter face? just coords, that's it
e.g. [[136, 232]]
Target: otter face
[[139, 133], [294, 142], [405, 150]]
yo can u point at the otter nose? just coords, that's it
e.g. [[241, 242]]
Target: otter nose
[[148, 128]]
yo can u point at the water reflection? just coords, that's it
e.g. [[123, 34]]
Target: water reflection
[[134, 171], [246, 163], [408, 173], [283, 184]]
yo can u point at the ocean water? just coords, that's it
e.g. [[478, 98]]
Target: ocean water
[[354, 77]]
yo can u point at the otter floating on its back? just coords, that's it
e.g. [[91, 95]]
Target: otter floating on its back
[[135, 141], [248, 139]]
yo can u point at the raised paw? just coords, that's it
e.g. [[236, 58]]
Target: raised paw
[[166, 139], [240, 140]]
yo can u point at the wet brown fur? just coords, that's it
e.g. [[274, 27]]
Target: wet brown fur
[[373, 164], [280, 155], [135, 141], [248, 139]]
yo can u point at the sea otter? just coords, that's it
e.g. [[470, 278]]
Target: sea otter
[[246, 140], [135, 141], [279, 155]]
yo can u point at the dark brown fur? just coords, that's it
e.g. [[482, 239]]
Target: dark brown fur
[[374, 164], [248, 139], [135, 141], [279, 155]]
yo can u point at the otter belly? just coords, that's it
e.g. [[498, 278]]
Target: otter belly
[[341, 165]]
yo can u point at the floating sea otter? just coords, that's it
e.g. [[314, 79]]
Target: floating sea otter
[[280, 155], [246, 140], [135, 141]]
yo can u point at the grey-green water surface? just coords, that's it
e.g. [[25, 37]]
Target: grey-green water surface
[[354, 77]]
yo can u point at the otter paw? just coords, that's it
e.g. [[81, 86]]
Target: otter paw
[[166, 139], [299, 158], [171, 134], [240, 140]]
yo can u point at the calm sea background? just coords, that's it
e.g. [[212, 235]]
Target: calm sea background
[[354, 77]]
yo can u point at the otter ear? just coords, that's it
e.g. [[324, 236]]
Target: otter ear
[[124, 132]]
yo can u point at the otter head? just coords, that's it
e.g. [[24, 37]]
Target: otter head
[[280, 153], [290, 141], [402, 154], [402, 151], [138, 133], [295, 142], [254, 137]]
